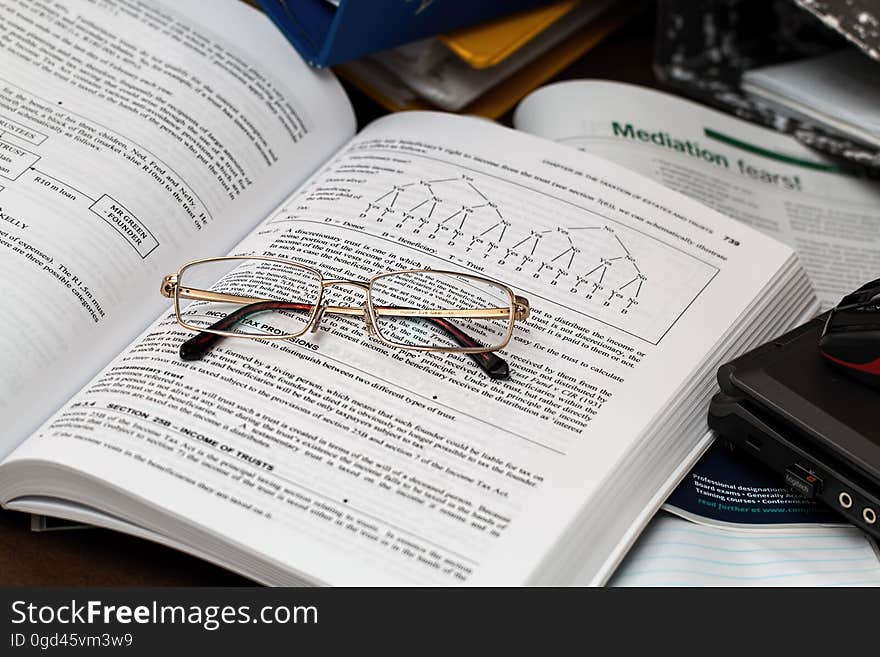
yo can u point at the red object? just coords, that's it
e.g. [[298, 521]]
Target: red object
[[871, 367]]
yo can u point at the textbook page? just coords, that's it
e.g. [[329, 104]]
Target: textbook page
[[761, 177], [352, 462], [675, 552], [133, 135]]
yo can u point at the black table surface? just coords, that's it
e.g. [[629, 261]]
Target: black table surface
[[97, 557]]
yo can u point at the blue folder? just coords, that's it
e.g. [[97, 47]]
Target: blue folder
[[326, 35]]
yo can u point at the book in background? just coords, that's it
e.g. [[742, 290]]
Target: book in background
[[485, 70]]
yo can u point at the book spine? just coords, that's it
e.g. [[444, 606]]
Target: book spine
[[325, 35]]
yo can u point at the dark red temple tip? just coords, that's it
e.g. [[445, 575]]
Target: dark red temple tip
[[196, 347], [492, 365]]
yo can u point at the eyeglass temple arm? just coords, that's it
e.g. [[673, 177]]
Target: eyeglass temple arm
[[196, 347]]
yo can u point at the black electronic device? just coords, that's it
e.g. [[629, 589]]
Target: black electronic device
[[816, 426], [851, 336]]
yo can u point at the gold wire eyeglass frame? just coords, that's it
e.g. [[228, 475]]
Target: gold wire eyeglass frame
[[517, 310]]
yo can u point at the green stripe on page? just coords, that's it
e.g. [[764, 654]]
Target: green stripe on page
[[773, 155]]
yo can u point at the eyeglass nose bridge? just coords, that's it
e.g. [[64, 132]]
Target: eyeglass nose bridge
[[363, 286], [336, 282], [316, 320], [368, 320]]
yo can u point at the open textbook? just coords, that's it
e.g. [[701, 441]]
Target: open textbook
[[763, 178], [137, 136]]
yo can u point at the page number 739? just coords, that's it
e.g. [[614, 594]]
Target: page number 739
[[730, 240]]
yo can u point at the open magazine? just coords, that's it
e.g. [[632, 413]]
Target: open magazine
[[765, 179], [159, 133], [753, 530]]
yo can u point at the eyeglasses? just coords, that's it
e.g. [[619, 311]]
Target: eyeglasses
[[276, 299]]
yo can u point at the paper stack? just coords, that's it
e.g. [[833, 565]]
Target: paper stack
[[485, 70]]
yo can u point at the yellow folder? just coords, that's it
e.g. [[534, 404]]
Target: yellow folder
[[486, 45]]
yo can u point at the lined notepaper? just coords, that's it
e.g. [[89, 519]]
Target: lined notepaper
[[675, 552]]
